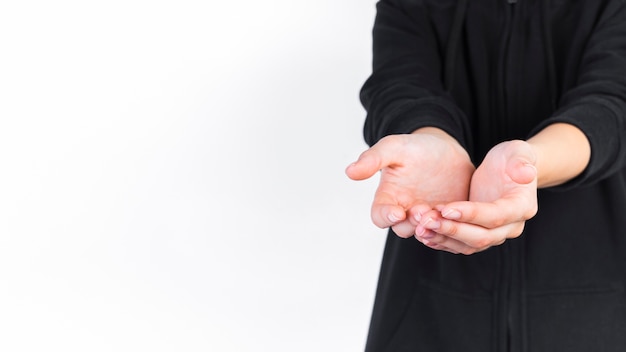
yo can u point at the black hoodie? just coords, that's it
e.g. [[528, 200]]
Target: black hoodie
[[487, 71]]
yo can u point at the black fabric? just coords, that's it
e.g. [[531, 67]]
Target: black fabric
[[517, 67]]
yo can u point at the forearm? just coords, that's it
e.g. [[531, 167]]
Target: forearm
[[437, 132], [562, 151], [405, 91]]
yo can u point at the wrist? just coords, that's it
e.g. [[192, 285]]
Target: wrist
[[563, 152], [444, 136]]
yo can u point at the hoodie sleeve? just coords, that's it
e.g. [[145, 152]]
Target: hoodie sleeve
[[597, 103], [405, 91]]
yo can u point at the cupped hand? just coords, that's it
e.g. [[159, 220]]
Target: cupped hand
[[418, 171], [503, 195]]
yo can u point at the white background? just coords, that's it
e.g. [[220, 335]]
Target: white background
[[171, 176]]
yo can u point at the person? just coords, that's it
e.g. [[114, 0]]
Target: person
[[499, 130]]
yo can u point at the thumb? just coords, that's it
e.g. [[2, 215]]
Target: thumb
[[520, 166], [365, 167], [374, 159], [521, 171]]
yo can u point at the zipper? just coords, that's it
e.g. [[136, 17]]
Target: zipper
[[498, 119], [508, 296]]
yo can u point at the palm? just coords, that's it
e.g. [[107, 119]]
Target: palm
[[502, 176], [440, 176], [418, 171]]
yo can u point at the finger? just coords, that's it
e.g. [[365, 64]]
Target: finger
[[416, 212], [430, 219], [404, 229], [491, 215], [435, 245], [427, 237], [476, 237], [379, 156], [422, 233], [449, 245], [455, 246], [387, 214]]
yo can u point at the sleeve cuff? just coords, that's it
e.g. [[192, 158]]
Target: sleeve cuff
[[417, 114], [599, 124]]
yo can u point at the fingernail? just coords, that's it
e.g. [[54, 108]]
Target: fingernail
[[451, 214], [393, 218], [531, 166], [427, 234], [423, 233], [418, 217], [431, 224]]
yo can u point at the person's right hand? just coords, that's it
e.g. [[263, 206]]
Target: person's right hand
[[418, 171]]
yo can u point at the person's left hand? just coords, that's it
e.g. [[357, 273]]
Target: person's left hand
[[503, 195]]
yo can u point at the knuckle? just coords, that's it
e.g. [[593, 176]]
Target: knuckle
[[531, 212], [482, 242], [378, 222], [495, 223], [471, 214], [518, 229], [449, 228], [468, 251], [378, 218], [432, 245], [403, 233], [380, 226]]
